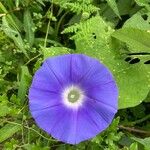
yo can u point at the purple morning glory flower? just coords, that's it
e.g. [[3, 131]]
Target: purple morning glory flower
[[73, 97]]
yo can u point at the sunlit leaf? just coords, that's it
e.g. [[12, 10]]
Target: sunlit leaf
[[136, 38], [54, 51], [132, 79], [145, 142], [7, 131]]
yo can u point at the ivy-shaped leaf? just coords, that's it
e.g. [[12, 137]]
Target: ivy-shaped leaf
[[133, 80]]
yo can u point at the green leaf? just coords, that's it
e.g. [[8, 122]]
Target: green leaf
[[14, 35], [147, 99], [113, 5], [28, 26], [134, 146], [4, 109], [7, 131], [94, 39], [137, 39], [145, 142], [8, 16], [41, 2], [137, 22], [142, 2], [55, 51], [24, 82]]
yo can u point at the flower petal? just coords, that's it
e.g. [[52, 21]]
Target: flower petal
[[40, 99], [92, 120], [48, 118], [46, 98], [61, 68], [44, 79], [81, 65], [65, 129], [105, 93]]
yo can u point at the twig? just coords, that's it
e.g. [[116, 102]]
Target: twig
[[132, 129]]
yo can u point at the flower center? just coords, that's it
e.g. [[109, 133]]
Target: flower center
[[73, 97]]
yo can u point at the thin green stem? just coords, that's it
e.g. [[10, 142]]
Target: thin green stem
[[141, 120], [59, 23], [31, 129], [32, 59], [45, 41], [48, 26], [137, 121], [132, 129]]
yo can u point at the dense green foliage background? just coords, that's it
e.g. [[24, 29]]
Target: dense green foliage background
[[115, 32]]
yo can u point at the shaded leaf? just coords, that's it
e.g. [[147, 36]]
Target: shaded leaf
[[24, 82], [28, 26], [8, 16], [113, 5], [14, 35]]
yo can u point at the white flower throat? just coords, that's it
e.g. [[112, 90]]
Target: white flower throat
[[73, 97]]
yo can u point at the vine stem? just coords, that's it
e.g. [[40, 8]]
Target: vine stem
[[32, 59], [137, 121], [48, 26], [132, 129], [59, 23], [141, 120], [31, 129], [45, 41]]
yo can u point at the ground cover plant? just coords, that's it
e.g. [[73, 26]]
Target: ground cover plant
[[117, 33]]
